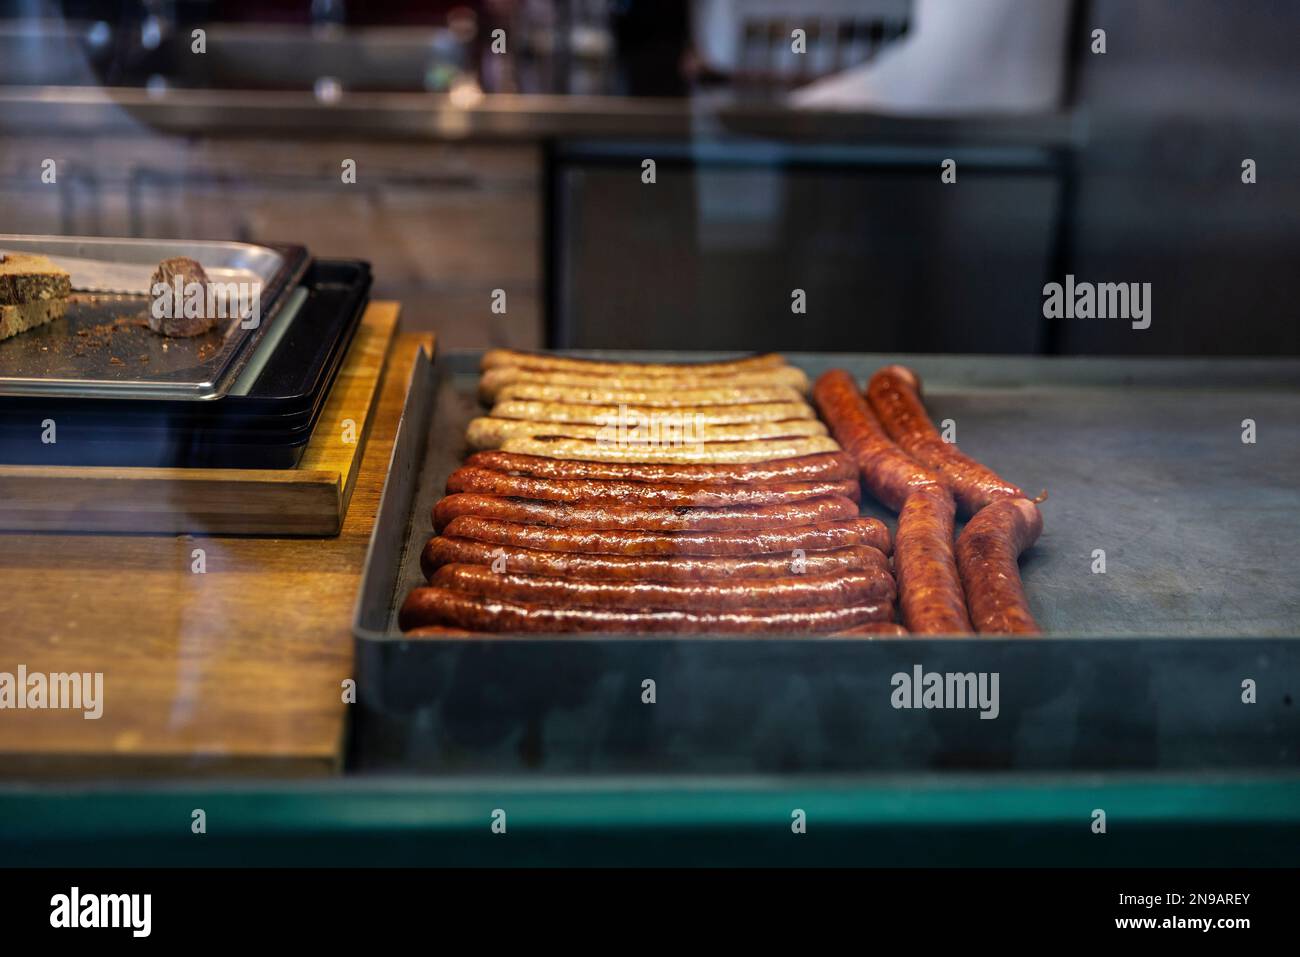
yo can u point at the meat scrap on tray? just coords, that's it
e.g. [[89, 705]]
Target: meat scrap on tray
[[712, 498]]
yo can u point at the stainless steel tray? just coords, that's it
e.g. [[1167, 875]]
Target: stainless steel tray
[[103, 346], [1141, 668], [1143, 459]]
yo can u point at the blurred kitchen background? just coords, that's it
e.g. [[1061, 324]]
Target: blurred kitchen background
[[520, 169]]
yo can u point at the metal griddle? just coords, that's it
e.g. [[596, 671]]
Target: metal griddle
[[1142, 459], [1141, 668], [103, 346]]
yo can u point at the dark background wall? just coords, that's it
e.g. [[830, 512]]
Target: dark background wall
[[709, 255], [1186, 91], [894, 260]]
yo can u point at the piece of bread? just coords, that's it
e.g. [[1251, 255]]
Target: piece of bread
[[27, 277], [28, 315]]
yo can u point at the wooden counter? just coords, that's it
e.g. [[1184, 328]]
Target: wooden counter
[[235, 670]]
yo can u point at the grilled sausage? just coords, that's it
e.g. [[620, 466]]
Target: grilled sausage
[[895, 395], [494, 380], [488, 432], [887, 471], [793, 591], [987, 552], [691, 453], [510, 358], [650, 518], [628, 416], [929, 591], [858, 531], [826, 467], [670, 398], [444, 631], [614, 492], [446, 550], [884, 629], [442, 606]]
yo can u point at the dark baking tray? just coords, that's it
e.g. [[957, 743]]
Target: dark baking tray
[[1142, 667], [267, 428]]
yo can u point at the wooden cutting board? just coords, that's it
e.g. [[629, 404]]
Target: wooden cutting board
[[308, 500]]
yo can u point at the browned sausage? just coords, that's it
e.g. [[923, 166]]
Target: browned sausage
[[895, 395], [667, 494], [505, 358], [442, 606], [929, 591], [824, 467], [491, 432], [887, 471], [445, 550], [858, 531], [884, 628], [987, 550], [746, 452], [673, 393], [443, 631], [649, 518], [493, 382], [793, 591], [873, 628]]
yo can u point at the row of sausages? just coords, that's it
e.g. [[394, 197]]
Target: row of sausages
[[906, 464], [549, 529], [744, 412], [751, 524]]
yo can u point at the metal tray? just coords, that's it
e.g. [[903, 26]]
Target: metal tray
[[267, 425], [286, 370], [1143, 459], [103, 346]]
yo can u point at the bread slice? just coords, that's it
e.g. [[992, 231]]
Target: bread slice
[[16, 319], [27, 277]]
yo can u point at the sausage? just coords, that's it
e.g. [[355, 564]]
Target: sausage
[[686, 453], [883, 628], [826, 467], [871, 628], [443, 631], [894, 393], [987, 551], [442, 606], [445, 550], [792, 591], [614, 492], [650, 518], [488, 432], [929, 591], [858, 531], [628, 416], [510, 358], [887, 471], [670, 398], [494, 380]]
